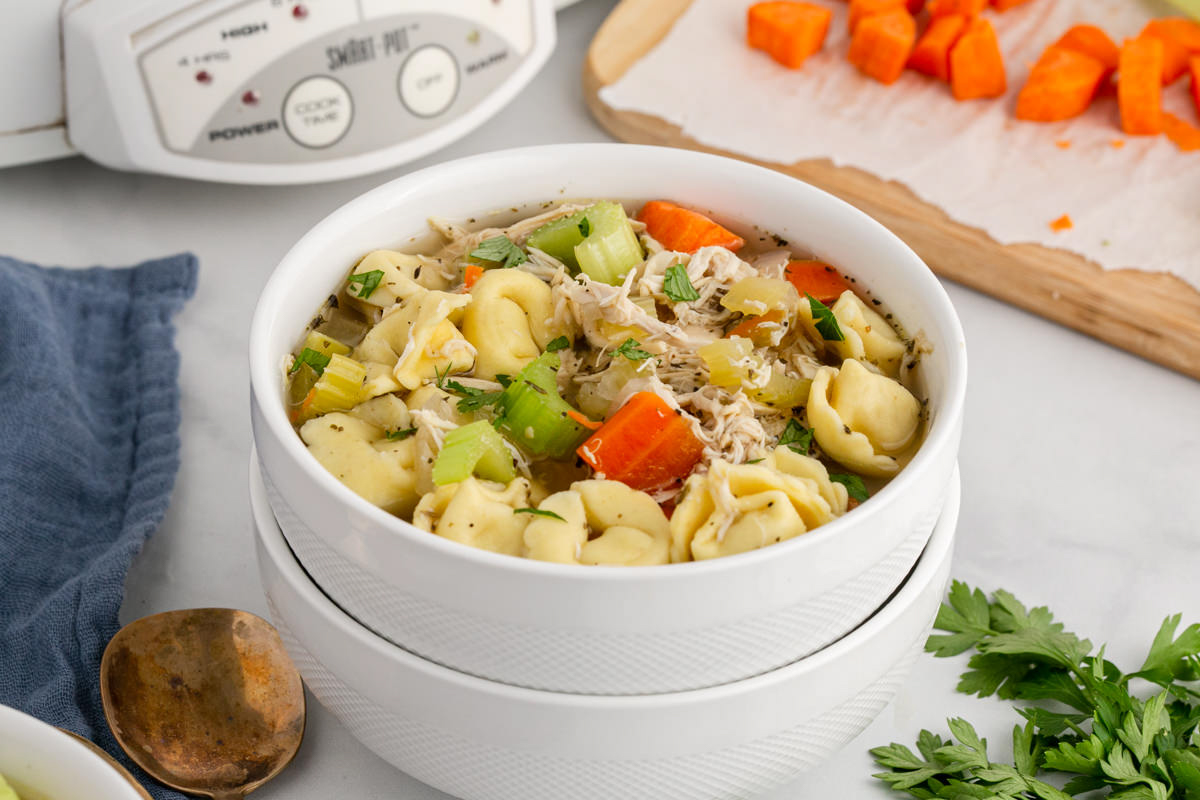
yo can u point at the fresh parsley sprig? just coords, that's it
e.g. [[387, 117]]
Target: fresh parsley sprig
[[473, 399], [678, 286], [824, 320], [318, 361], [499, 250], [631, 349], [366, 283], [557, 343], [855, 488], [1111, 739], [796, 437]]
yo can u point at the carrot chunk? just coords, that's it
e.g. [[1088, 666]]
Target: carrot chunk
[[1194, 69], [1063, 223], [931, 54], [1139, 86], [861, 9], [963, 8], [787, 31], [817, 279], [646, 445], [976, 63], [685, 231], [1060, 86], [472, 273], [1091, 41], [1184, 134], [882, 44], [1177, 36], [1005, 5]]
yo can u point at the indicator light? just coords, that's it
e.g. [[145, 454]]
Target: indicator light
[[204, 76], [251, 98], [299, 11]]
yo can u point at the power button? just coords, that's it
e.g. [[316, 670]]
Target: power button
[[317, 112], [428, 81]]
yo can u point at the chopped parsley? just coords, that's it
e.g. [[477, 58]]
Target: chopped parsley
[[558, 343], [631, 349], [539, 512], [499, 250], [797, 437], [503, 380], [756, 461], [825, 321], [854, 485], [318, 361], [367, 283], [585, 227], [473, 399], [678, 286], [399, 435]]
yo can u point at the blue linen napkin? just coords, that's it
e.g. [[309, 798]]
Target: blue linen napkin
[[89, 448]]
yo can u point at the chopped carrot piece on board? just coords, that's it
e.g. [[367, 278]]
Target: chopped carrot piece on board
[[1194, 69], [1005, 5], [1139, 86], [882, 44], [861, 9], [1061, 224], [1117, 144], [787, 31], [1184, 134], [963, 8], [976, 63], [1063, 144], [931, 54], [1091, 41], [1181, 40], [685, 231], [1060, 86]]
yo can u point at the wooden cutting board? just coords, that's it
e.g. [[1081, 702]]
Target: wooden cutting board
[[1155, 315]]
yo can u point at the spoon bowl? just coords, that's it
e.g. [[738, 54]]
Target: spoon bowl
[[206, 701]]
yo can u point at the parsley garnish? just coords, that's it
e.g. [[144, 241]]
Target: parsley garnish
[[631, 349], [755, 461], [797, 437], [825, 321], [367, 282], [399, 435], [1108, 738], [318, 361], [558, 343], [503, 380], [854, 485], [539, 512], [585, 227], [499, 250], [678, 286], [475, 402]]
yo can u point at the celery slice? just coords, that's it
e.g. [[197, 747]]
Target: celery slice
[[535, 415], [611, 248], [474, 449], [325, 345], [340, 386], [559, 237]]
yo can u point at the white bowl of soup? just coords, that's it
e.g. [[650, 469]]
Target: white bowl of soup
[[742, 486], [481, 740], [41, 762]]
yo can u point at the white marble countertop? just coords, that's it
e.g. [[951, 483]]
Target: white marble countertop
[[1080, 464]]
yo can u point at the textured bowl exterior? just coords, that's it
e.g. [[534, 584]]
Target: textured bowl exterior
[[581, 629], [43, 759], [478, 739]]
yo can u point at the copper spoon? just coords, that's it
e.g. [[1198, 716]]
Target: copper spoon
[[205, 700]]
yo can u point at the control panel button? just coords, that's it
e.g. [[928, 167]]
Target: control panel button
[[317, 112], [428, 81]]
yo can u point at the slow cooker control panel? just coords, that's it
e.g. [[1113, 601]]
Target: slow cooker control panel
[[298, 82]]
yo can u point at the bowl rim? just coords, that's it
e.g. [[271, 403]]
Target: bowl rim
[[264, 373], [937, 551]]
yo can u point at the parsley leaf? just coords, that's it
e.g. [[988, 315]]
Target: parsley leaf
[[499, 250], [678, 286], [504, 380], [399, 435], [558, 343], [824, 320], [318, 361], [631, 349], [797, 437], [585, 227], [367, 283], [854, 485], [539, 512], [477, 401]]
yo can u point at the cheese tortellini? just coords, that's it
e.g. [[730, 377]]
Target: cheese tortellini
[[868, 336], [478, 513], [509, 322], [600, 522], [420, 338], [403, 276], [862, 420], [739, 507]]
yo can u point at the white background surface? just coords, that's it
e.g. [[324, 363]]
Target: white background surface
[[1080, 464]]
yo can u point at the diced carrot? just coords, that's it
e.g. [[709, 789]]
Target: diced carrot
[[1139, 86], [472, 273], [1091, 41], [1062, 144], [1181, 40], [685, 231], [1060, 86], [1184, 134], [816, 278], [646, 445], [882, 44], [787, 31], [1005, 5], [758, 329], [1117, 144], [931, 54], [590, 424], [1194, 69], [976, 63], [962, 8], [861, 9], [1063, 223]]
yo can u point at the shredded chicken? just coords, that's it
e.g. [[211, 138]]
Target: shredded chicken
[[460, 241], [729, 427]]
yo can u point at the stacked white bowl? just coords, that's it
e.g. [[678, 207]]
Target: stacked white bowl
[[492, 676]]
